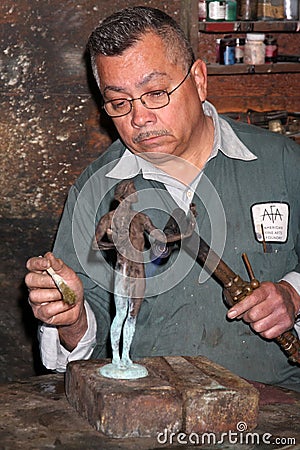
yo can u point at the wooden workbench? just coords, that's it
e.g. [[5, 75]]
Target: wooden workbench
[[35, 414]]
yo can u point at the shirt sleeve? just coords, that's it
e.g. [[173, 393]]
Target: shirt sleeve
[[55, 356], [293, 278]]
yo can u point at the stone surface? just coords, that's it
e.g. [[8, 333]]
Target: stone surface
[[189, 394], [35, 415]]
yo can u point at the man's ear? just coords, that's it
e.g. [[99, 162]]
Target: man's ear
[[199, 73]]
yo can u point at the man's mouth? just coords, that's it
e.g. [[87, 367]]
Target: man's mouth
[[148, 135]]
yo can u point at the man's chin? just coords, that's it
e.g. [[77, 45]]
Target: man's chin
[[156, 156]]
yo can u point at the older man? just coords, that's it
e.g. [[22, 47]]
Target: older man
[[243, 180]]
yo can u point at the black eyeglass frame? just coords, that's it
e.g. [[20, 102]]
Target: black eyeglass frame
[[131, 100]]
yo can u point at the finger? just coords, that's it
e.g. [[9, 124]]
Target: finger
[[40, 296], [237, 310], [53, 313], [37, 264], [66, 318], [262, 311], [56, 263], [271, 332], [39, 280]]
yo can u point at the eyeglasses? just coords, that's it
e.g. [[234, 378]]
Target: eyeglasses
[[151, 100]]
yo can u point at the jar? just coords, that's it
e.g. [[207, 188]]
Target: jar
[[291, 9], [215, 10], [270, 9], [254, 51], [271, 49], [231, 10], [248, 9], [227, 51], [239, 50]]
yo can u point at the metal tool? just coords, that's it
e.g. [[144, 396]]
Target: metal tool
[[235, 288]]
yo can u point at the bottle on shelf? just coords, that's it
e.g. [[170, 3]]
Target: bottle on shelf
[[239, 50], [218, 42], [254, 50], [202, 10], [270, 9], [291, 9], [231, 10], [271, 49], [247, 10], [227, 51], [215, 10]]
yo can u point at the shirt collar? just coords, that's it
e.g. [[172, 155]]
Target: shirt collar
[[225, 140]]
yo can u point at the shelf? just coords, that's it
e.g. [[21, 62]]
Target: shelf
[[246, 69], [241, 26]]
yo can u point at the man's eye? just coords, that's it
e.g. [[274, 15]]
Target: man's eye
[[156, 94], [118, 104]]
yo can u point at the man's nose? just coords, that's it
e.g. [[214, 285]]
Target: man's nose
[[140, 115]]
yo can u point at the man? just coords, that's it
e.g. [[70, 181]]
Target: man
[[242, 180]]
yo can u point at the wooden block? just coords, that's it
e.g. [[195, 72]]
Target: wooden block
[[188, 394]]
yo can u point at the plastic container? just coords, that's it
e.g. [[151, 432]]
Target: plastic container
[[254, 51], [215, 10]]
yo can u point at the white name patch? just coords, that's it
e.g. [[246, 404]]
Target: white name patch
[[270, 221]]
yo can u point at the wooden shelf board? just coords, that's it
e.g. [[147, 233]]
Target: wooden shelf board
[[241, 26], [246, 69]]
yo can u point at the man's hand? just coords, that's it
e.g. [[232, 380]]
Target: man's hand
[[46, 300], [270, 310]]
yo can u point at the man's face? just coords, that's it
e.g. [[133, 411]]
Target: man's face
[[172, 130]]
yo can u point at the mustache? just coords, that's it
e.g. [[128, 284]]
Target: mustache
[[147, 134]]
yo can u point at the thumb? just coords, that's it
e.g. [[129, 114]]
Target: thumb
[[56, 263]]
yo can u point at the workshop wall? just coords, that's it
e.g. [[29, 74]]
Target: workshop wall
[[49, 122]]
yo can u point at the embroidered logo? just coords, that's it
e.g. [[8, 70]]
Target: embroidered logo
[[270, 221]]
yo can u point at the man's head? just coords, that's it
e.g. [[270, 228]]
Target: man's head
[[151, 85], [118, 32]]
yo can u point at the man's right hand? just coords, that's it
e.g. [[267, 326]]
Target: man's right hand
[[46, 300]]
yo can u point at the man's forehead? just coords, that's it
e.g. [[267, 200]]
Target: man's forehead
[[145, 60], [137, 82]]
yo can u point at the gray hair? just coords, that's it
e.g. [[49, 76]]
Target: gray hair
[[123, 29]]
